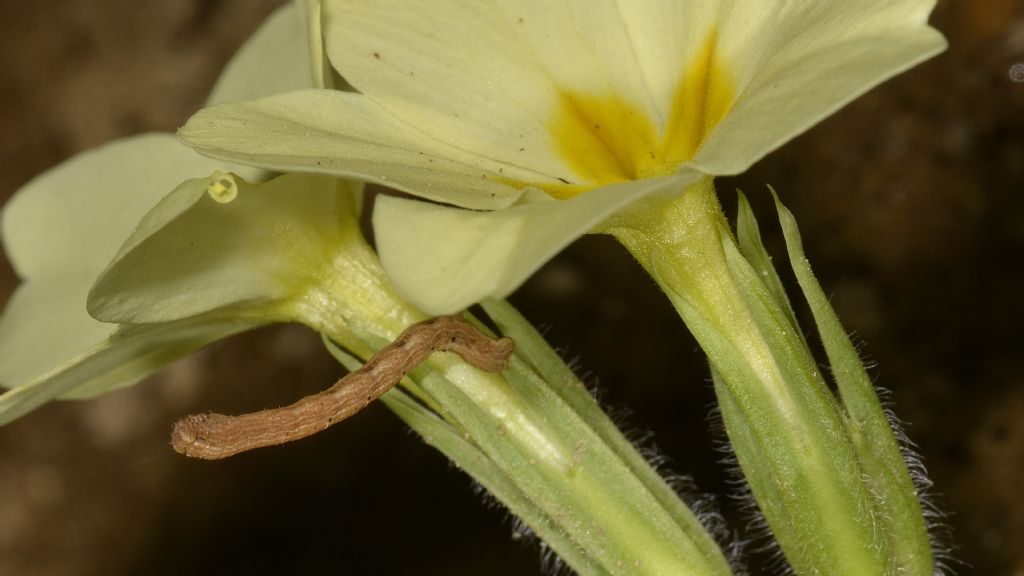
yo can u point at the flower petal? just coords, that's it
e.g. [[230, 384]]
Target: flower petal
[[274, 60], [76, 215], [345, 134], [495, 78], [324, 76], [805, 60], [444, 259], [578, 90], [561, 96], [566, 96], [221, 242], [60, 230], [52, 348]]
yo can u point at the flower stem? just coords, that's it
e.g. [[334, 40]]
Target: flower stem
[[788, 431], [532, 435]]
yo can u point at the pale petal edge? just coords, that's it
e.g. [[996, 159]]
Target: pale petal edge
[[444, 259], [130, 354]]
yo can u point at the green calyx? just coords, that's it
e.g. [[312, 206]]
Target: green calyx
[[536, 439], [826, 472]]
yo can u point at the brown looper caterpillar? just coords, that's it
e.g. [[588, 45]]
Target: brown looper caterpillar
[[215, 436]]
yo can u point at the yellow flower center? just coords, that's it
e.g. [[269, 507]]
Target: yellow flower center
[[606, 140]]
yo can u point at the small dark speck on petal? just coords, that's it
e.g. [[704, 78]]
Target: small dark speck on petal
[[376, 55], [563, 180], [522, 149]]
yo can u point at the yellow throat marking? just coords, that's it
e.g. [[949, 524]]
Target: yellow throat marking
[[605, 139]]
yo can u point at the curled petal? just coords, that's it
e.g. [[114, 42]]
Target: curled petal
[[444, 259], [807, 60], [224, 244], [60, 230], [346, 134]]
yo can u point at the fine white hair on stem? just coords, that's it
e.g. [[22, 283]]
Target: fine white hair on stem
[[939, 531], [215, 436], [705, 506], [759, 539], [551, 564]]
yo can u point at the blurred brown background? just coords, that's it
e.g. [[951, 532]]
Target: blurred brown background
[[911, 207]]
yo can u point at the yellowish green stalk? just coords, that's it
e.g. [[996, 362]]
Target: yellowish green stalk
[[793, 440], [532, 435]]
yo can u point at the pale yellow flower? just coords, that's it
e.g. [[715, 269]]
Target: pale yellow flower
[[509, 105], [61, 230]]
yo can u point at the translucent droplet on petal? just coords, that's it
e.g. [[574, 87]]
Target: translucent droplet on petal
[[222, 188]]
